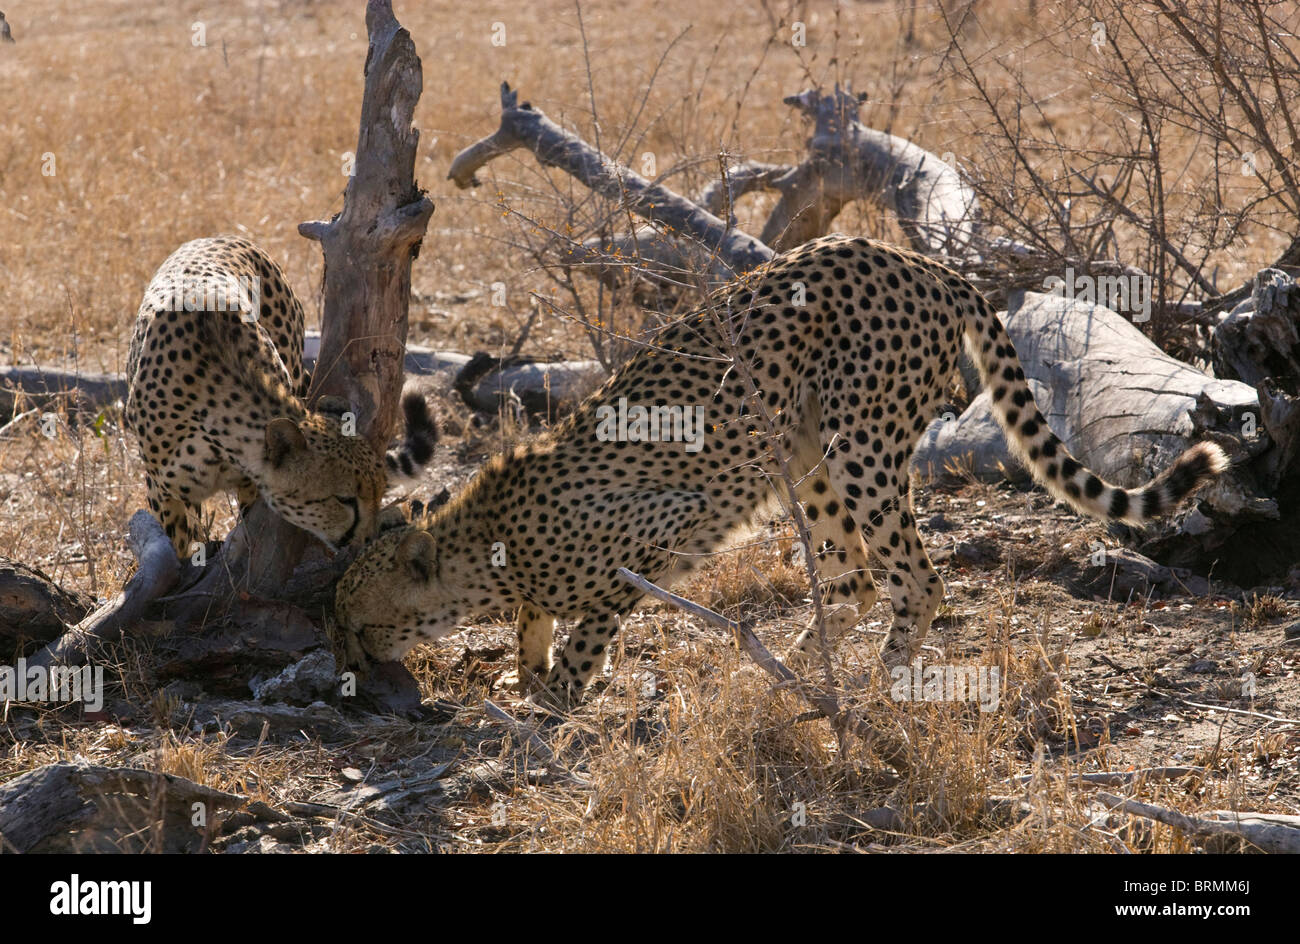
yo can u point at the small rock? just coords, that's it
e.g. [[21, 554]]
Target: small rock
[[977, 553], [304, 682], [184, 689], [939, 522]]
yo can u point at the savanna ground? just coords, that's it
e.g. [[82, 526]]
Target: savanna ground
[[686, 747]]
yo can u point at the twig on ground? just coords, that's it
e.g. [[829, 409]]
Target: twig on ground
[[1271, 832], [1115, 778], [539, 747], [893, 751]]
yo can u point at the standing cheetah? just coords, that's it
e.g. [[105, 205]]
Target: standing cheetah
[[216, 389], [850, 345]]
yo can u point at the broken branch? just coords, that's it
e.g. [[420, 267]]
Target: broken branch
[[158, 571]]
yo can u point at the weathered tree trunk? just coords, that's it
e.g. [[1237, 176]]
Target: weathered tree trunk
[[370, 245], [368, 250]]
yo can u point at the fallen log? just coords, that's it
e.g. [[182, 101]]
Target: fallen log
[[562, 382], [973, 443], [523, 126], [847, 161], [486, 383], [1125, 409], [687, 242], [33, 608], [1123, 406], [44, 388], [84, 808]]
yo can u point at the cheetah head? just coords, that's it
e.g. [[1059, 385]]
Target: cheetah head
[[321, 480], [392, 597]]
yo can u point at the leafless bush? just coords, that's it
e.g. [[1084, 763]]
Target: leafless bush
[[1186, 159]]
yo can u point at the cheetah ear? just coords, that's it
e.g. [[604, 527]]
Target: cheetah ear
[[283, 440], [418, 555]]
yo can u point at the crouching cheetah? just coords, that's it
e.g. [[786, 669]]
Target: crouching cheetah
[[216, 389], [837, 354]]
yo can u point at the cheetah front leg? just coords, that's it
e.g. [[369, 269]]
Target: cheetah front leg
[[179, 519], [584, 656], [535, 630]]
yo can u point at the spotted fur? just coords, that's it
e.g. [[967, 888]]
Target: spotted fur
[[846, 383], [216, 399]]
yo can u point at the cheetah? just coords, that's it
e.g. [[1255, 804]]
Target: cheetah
[[830, 360], [216, 399]]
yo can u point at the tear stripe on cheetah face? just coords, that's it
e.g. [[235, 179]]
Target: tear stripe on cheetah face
[[216, 400], [851, 378]]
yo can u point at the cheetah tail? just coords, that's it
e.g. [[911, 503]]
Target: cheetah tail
[[1045, 455], [421, 434]]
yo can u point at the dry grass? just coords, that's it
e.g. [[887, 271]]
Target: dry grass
[[687, 747]]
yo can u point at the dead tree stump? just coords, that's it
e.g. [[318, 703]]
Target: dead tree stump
[[369, 247]]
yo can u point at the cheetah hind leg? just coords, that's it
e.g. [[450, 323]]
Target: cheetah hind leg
[[886, 521], [915, 589], [840, 561]]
